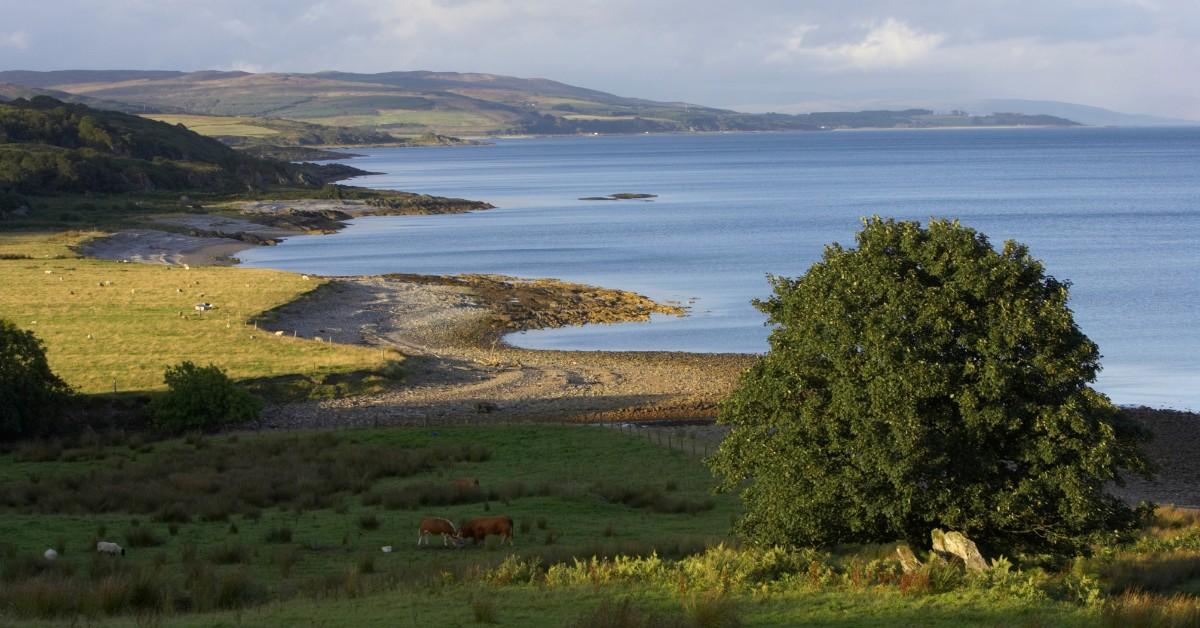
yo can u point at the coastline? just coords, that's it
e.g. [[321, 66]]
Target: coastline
[[452, 328], [461, 371]]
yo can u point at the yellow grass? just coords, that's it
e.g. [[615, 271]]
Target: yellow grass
[[587, 116], [217, 125], [43, 244], [438, 119], [108, 324]]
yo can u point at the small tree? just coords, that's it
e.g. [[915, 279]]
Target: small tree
[[202, 398], [31, 396], [925, 380]]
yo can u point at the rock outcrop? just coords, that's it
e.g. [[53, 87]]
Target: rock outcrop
[[957, 545], [908, 560]]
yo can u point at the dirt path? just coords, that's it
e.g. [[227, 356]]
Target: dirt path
[[461, 373]]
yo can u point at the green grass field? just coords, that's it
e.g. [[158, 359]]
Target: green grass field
[[237, 126], [110, 325], [445, 121], [330, 570]]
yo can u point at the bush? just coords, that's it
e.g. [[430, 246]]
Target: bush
[[484, 610], [139, 536], [230, 554], [624, 614], [278, 535], [31, 396], [925, 380], [202, 398]]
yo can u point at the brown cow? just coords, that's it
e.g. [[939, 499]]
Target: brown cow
[[479, 529], [466, 484], [438, 525]]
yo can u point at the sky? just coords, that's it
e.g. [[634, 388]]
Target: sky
[[755, 55]]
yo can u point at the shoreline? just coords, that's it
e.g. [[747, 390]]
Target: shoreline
[[216, 238], [452, 327]]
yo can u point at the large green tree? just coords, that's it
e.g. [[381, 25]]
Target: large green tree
[[921, 380], [31, 395], [202, 398]]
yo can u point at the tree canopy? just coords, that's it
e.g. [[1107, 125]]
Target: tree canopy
[[921, 380], [31, 396], [48, 146], [202, 398]]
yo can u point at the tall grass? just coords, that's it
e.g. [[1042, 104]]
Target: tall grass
[[220, 479], [1137, 609]]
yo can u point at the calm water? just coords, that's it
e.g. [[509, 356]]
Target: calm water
[[1115, 211]]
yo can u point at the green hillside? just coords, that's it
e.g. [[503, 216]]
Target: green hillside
[[48, 146], [412, 103]]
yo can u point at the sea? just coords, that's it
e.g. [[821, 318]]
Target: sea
[[1114, 211]]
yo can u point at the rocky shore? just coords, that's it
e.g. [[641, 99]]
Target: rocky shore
[[463, 372], [213, 238]]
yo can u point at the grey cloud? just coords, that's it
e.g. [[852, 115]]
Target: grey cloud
[[1131, 54]]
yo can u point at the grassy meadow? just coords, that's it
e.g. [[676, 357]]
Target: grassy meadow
[[111, 326], [236, 126], [285, 529]]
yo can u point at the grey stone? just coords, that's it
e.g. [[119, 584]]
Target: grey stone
[[956, 544], [908, 560]]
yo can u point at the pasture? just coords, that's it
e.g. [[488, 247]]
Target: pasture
[[305, 514], [283, 529], [234, 126], [449, 122], [113, 327]]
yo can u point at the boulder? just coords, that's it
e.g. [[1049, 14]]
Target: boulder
[[908, 560], [956, 544]]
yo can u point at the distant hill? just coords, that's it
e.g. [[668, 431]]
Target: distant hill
[[413, 103], [10, 91], [1094, 116], [48, 146]]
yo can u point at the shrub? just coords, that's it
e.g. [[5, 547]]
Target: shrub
[[624, 614], [142, 536], [202, 398], [366, 564], [31, 396], [174, 513], [1147, 610], [483, 609], [368, 522], [237, 590], [712, 611], [278, 535], [925, 380], [230, 554]]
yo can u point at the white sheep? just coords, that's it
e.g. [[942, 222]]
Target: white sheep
[[112, 549], [50, 555]]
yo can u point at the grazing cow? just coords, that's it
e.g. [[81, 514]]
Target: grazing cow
[[112, 549], [479, 529], [437, 525]]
